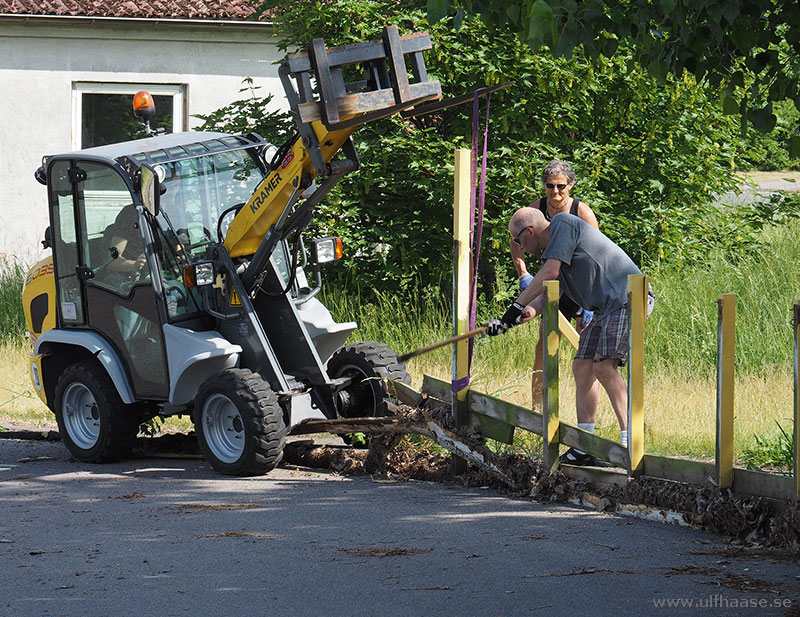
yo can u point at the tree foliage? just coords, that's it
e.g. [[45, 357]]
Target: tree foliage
[[648, 155], [752, 47], [771, 151]]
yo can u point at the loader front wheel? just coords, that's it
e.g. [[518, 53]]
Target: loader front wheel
[[239, 423], [368, 363], [95, 425]]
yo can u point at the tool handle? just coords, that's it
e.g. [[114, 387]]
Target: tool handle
[[450, 341]]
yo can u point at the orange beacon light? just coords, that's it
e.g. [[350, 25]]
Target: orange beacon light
[[143, 105]]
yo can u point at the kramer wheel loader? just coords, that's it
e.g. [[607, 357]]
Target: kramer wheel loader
[[177, 282]]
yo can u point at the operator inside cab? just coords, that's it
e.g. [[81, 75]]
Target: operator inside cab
[[124, 243]]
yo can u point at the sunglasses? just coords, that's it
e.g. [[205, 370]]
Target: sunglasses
[[550, 185], [516, 240]]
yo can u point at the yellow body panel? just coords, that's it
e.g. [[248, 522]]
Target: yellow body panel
[[40, 280], [39, 305], [269, 200]]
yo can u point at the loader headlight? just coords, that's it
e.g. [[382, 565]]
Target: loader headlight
[[37, 381], [324, 250], [197, 275]]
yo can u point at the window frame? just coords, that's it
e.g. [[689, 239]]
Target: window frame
[[79, 88]]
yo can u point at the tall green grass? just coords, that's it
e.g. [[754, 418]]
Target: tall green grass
[[680, 343], [403, 323], [681, 334], [12, 319], [680, 346], [408, 323]]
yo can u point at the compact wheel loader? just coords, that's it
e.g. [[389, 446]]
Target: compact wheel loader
[[180, 281]]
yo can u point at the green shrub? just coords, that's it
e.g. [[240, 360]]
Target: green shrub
[[646, 154]]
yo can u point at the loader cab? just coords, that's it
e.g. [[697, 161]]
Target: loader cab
[[102, 271], [119, 266]]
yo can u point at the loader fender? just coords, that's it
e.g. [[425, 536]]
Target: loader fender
[[52, 341], [194, 356]]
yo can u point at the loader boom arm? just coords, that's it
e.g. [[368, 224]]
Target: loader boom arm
[[279, 191], [327, 110]]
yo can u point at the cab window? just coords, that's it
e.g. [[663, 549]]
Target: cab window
[[112, 241]]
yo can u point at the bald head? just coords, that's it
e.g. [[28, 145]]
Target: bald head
[[527, 217], [529, 229]]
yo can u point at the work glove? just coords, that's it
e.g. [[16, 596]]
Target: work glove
[[510, 318], [585, 318], [525, 280], [495, 327]]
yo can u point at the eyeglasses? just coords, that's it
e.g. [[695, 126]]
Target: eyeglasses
[[551, 186], [516, 240]]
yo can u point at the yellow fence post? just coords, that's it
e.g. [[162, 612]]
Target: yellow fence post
[[726, 354], [637, 307], [796, 402], [461, 278], [550, 421]]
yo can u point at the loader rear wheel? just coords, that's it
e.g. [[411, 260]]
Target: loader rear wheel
[[239, 423], [368, 363], [96, 426]]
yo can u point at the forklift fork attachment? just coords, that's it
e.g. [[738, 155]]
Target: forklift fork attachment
[[384, 88]]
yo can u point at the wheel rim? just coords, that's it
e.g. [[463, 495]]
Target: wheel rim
[[223, 428], [362, 392], [81, 416]]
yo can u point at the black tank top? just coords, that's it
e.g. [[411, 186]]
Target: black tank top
[[572, 210]]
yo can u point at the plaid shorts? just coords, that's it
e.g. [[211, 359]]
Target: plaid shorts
[[606, 338]]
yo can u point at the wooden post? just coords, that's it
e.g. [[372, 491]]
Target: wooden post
[[796, 402], [726, 353], [637, 307], [461, 276], [550, 422]]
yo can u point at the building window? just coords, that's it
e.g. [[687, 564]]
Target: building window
[[104, 112]]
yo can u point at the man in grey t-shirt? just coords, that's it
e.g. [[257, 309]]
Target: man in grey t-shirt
[[593, 271]]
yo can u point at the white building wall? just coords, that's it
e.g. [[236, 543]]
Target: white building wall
[[40, 60]]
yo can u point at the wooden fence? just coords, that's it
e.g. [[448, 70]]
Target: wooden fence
[[499, 419]]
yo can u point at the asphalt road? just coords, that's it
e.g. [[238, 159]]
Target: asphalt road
[[164, 537]]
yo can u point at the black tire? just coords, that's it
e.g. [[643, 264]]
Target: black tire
[[94, 423], [368, 362], [239, 423]]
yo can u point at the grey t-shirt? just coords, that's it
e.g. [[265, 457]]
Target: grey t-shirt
[[594, 270]]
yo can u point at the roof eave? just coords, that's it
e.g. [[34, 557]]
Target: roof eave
[[209, 23]]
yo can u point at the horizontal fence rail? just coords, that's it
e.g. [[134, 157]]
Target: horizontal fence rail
[[503, 417]]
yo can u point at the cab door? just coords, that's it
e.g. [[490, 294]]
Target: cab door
[[103, 279]]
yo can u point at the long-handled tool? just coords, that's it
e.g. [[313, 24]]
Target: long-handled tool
[[451, 340]]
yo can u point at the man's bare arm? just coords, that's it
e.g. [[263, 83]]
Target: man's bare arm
[[518, 259], [548, 272]]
